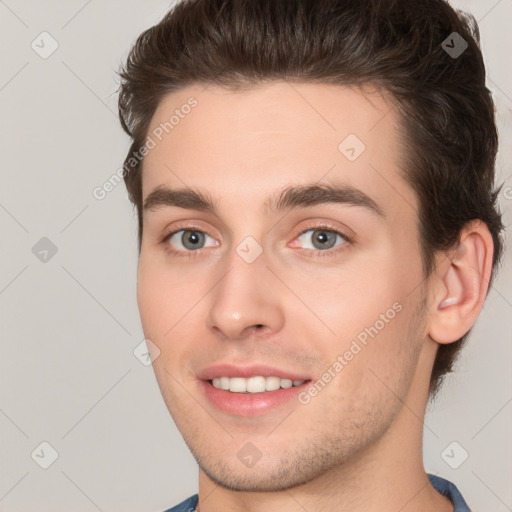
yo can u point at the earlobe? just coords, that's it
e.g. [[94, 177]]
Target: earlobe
[[461, 283]]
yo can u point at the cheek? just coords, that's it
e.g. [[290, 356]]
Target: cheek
[[370, 312], [163, 307], [375, 376], [162, 301], [351, 299], [171, 310], [149, 298]]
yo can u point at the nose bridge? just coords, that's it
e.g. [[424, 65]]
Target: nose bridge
[[242, 298]]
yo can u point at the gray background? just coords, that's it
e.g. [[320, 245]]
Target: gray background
[[69, 325]]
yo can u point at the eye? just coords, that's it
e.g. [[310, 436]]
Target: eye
[[321, 238], [187, 240]]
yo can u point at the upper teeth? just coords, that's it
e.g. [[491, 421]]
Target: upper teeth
[[253, 384]]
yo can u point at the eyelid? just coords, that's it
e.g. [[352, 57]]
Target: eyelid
[[186, 225], [324, 225]]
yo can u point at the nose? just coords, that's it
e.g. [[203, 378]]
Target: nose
[[246, 300]]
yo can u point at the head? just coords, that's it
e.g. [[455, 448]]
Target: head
[[266, 96]]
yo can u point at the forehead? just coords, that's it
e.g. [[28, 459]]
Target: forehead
[[242, 146]]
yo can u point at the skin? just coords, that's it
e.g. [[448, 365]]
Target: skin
[[357, 445]]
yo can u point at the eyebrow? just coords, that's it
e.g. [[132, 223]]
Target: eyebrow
[[300, 196]]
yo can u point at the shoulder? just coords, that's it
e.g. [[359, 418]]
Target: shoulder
[[188, 505], [449, 489]]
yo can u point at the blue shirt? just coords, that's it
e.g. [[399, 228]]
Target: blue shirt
[[443, 486]]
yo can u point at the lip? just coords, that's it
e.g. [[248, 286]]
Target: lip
[[249, 404]]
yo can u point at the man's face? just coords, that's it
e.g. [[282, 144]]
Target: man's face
[[334, 287]]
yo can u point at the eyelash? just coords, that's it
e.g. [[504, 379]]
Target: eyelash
[[313, 227]]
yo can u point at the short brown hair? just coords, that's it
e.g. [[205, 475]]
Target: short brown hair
[[446, 111]]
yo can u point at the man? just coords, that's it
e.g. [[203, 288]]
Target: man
[[318, 231]]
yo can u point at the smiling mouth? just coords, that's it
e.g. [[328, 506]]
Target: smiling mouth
[[257, 384]]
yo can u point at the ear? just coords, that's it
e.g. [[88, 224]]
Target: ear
[[460, 284]]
